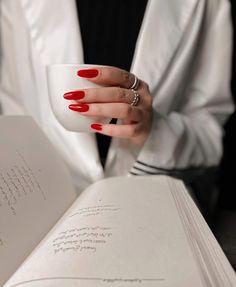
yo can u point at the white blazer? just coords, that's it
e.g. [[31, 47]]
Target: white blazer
[[183, 52]]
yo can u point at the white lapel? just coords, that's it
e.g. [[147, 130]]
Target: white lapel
[[54, 30], [163, 26]]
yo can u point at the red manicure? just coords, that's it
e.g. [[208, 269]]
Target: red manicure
[[79, 108], [97, 127], [76, 95], [88, 73]]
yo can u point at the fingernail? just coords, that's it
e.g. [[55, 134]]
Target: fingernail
[[88, 73], [76, 95], [79, 108], [97, 127]]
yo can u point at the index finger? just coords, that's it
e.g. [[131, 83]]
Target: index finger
[[108, 76]]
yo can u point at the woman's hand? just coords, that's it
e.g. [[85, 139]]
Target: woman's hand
[[115, 99]]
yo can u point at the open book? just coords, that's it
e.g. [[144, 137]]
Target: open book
[[123, 231]]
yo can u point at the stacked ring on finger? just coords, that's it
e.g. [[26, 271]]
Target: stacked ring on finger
[[134, 88], [136, 98], [135, 84]]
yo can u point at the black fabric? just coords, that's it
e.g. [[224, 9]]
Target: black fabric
[[109, 30], [227, 180]]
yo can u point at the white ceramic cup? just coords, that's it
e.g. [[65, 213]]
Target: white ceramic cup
[[63, 78]]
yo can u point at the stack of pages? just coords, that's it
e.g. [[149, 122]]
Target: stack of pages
[[123, 231]]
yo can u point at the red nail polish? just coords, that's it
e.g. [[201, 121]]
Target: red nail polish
[[97, 127], [76, 95], [88, 73], [79, 108]]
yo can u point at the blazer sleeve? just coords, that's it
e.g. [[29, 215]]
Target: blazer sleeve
[[189, 137]]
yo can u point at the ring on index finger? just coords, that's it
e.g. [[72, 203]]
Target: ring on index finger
[[135, 83]]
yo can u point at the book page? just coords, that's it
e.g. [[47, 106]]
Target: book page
[[206, 247], [119, 232], [35, 190]]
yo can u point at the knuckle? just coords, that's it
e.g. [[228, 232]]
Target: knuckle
[[121, 95], [149, 101], [128, 110], [127, 77], [144, 88], [133, 131]]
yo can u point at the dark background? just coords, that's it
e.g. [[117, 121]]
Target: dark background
[[222, 220], [227, 178]]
